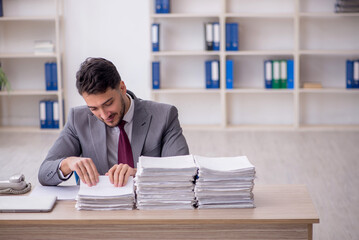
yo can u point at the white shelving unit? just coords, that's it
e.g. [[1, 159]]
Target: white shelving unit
[[24, 22], [307, 31]]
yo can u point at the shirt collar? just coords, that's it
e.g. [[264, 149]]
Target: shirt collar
[[129, 115]]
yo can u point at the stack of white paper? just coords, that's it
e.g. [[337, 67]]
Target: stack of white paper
[[224, 182], [165, 183], [44, 47], [105, 196]]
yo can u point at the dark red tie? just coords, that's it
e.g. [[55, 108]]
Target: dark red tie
[[124, 147]]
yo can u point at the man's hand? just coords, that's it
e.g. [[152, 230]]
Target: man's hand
[[120, 173], [84, 167]]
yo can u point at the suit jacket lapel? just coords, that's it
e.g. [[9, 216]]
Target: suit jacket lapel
[[98, 135], [141, 123]]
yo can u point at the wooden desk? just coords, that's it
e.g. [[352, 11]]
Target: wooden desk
[[282, 212]]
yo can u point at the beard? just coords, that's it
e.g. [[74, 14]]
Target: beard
[[121, 113]]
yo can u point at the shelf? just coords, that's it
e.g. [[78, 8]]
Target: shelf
[[259, 53], [259, 90], [328, 90], [27, 129], [28, 93], [231, 127], [27, 55], [329, 52], [33, 18], [318, 42], [184, 91], [327, 14], [185, 15], [186, 53], [321, 127], [259, 15]]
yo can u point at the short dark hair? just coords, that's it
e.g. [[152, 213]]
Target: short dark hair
[[96, 75]]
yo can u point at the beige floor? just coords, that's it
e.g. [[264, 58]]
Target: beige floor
[[327, 162]]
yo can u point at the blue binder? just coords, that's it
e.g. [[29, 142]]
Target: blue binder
[[234, 37], [228, 34], [56, 116], [229, 74], [215, 74], [42, 114], [350, 74], [1, 9], [158, 6], [166, 8], [216, 36], [356, 74], [268, 73], [155, 75], [155, 37], [290, 74], [48, 76], [49, 114], [208, 66], [54, 76]]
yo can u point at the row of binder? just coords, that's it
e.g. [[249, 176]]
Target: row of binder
[[51, 76], [211, 36], [346, 6], [162, 6], [279, 74], [352, 73], [49, 114]]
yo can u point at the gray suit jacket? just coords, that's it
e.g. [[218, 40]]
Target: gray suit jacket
[[156, 132]]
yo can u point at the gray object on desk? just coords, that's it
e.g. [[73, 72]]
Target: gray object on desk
[[27, 203]]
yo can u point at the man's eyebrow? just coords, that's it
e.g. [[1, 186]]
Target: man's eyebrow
[[102, 103]]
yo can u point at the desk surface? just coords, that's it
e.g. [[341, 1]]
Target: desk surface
[[275, 204]]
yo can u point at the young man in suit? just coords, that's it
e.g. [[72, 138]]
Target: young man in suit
[[93, 144]]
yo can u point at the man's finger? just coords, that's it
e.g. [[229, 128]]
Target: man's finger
[[110, 173], [116, 175], [91, 174], [122, 175], [128, 174], [94, 169], [79, 172], [84, 173]]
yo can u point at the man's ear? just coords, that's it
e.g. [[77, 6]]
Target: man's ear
[[122, 87]]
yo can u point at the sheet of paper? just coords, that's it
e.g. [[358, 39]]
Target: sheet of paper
[[176, 162], [105, 188], [223, 163], [61, 192]]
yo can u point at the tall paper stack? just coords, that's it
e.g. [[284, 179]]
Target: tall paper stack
[[165, 183], [105, 196], [224, 182]]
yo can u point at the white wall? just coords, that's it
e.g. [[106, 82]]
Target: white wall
[[117, 30]]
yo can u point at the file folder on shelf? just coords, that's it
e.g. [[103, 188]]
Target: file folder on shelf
[[229, 74], [276, 74], [350, 74], [216, 36], [209, 36], [155, 37], [290, 74], [156, 75], [268, 73], [283, 74]]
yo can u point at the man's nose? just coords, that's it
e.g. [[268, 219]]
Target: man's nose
[[103, 114]]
